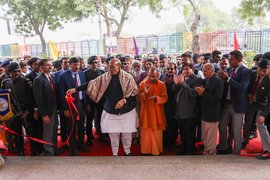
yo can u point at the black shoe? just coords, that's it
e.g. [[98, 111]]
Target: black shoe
[[46, 153], [244, 145], [58, 151], [103, 139], [21, 153], [264, 156], [2, 150], [129, 154], [89, 143], [84, 149], [65, 146], [74, 153], [12, 150], [220, 152]]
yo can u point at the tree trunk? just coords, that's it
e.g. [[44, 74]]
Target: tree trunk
[[43, 43], [106, 17], [123, 18], [120, 27], [195, 36]]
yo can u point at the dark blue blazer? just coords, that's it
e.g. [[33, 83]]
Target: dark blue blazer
[[57, 74], [239, 88], [66, 82]]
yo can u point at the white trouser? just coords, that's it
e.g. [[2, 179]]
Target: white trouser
[[126, 141]]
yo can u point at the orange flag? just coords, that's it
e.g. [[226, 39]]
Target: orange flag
[[235, 42]]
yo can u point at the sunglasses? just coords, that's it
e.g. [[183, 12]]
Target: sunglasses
[[94, 62], [170, 69], [16, 71]]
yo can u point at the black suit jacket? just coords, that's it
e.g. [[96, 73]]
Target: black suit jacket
[[252, 81], [211, 100], [31, 77], [263, 96], [44, 95]]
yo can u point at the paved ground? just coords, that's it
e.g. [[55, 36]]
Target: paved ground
[[136, 167]]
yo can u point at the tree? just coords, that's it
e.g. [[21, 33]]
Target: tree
[[195, 36], [115, 12], [31, 17], [254, 8], [195, 6]]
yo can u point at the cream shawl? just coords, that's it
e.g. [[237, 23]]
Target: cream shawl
[[97, 87]]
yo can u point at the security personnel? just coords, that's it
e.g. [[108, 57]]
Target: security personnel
[[5, 75], [21, 101], [35, 124]]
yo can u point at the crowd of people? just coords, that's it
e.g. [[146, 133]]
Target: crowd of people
[[155, 99]]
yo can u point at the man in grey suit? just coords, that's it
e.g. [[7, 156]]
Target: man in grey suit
[[237, 78], [186, 107], [211, 95]]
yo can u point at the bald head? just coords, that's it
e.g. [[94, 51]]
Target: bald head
[[208, 70], [115, 61]]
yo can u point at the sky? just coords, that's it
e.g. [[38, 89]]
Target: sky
[[141, 22]]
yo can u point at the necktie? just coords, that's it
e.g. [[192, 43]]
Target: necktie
[[75, 80], [76, 84], [233, 72], [52, 85], [255, 86]]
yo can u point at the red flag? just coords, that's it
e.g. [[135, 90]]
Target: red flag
[[136, 48], [235, 42]]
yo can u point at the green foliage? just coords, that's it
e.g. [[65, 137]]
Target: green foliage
[[32, 16], [249, 55], [254, 8]]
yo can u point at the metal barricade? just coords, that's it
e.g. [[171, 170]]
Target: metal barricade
[[240, 36], [93, 47], [152, 44], [141, 42], [176, 43], [164, 45], [219, 41], [265, 42], [205, 42], [253, 41]]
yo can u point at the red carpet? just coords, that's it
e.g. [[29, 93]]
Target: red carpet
[[98, 148]]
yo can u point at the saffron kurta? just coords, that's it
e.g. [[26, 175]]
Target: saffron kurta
[[152, 117]]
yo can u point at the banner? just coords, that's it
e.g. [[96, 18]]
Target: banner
[[54, 53], [5, 106]]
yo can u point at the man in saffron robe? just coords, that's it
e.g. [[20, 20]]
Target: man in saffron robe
[[153, 96]]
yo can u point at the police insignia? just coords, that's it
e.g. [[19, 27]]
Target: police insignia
[[5, 107]]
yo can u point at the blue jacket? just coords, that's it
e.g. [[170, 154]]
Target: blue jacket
[[239, 88], [66, 82]]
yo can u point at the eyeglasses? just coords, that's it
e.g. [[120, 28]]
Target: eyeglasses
[[94, 62], [170, 69]]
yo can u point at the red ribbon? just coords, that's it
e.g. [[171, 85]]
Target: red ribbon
[[70, 102]]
